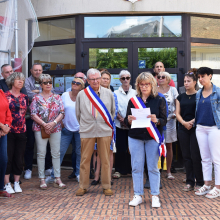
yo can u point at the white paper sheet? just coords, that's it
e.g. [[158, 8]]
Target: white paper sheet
[[141, 118]]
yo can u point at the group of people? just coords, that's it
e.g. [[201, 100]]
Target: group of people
[[97, 122]]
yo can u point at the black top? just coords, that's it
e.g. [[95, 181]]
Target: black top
[[187, 106], [4, 87], [157, 106]]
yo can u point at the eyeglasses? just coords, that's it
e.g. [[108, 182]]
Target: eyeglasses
[[76, 83], [45, 83], [79, 77], [123, 78], [143, 85], [191, 73], [17, 102], [161, 77], [97, 79]]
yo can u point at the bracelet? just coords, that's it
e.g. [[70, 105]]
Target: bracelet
[[43, 123], [7, 125], [55, 122]]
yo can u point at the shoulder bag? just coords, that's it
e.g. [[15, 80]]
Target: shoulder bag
[[44, 135]]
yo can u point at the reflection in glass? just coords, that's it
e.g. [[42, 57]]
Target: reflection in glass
[[132, 26], [205, 27], [205, 55], [147, 57], [108, 58], [56, 29], [58, 57]]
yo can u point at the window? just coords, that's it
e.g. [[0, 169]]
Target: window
[[56, 29], [108, 58], [147, 57], [203, 54], [59, 57], [132, 26], [205, 27]]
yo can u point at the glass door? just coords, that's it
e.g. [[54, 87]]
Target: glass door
[[171, 54]]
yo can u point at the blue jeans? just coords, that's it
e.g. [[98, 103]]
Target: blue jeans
[[3, 160], [68, 137], [138, 150]]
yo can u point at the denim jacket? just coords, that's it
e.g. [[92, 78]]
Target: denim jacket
[[215, 103]]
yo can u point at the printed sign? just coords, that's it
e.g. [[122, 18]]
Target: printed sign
[[142, 64]]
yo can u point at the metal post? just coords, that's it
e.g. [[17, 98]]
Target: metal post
[[16, 28]]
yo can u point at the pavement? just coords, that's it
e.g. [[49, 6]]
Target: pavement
[[54, 203]]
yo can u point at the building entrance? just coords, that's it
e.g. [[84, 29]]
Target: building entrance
[[136, 57]]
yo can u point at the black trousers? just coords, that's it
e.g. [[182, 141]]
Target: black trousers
[[15, 151], [191, 155], [122, 155]]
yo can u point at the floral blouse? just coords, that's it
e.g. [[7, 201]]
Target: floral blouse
[[18, 106], [40, 107]]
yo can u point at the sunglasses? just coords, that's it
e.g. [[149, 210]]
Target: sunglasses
[[45, 83], [161, 77], [79, 77], [189, 73], [123, 78], [76, 83], [17, 102]]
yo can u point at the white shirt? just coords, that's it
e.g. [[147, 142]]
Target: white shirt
[[123, 100], [70, 122]]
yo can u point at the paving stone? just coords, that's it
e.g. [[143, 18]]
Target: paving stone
[[62, 204]]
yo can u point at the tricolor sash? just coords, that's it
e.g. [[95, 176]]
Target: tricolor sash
[[99, 105], [152, 130]]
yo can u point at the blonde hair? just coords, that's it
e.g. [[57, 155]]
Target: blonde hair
[[146, 76], [167, 75], [82, 82]]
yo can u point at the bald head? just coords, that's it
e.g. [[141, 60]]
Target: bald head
[[159, 67], [81, 76]]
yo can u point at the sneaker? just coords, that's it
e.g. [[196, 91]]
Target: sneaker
[[17, 187], [27, 174], [8, 188], [214, 193], [48, 172], [203, 190], [155, 202], [136, 200], [49, 179], [77, 178]]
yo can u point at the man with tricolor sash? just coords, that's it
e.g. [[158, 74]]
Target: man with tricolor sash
[[95, 110]]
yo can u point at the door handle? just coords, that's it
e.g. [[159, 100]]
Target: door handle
[[182, 53], [181, 70], [83, 54]]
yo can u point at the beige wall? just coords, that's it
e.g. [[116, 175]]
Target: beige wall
[[51, 8]]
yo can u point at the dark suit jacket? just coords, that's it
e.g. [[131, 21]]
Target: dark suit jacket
[[4, 87]]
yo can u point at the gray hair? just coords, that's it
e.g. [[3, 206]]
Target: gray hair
[[167, 75], [93, 72], [4, 65], [11, 79], [36, 64], [44, 77], [124, 72]]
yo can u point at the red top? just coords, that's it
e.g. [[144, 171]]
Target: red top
[[18, 106], [172, 83], [5, 113]]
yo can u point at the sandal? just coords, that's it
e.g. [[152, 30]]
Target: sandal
[[214, 193], [116, 175], [196, 188], [170, 177], [188, 187], [44, 185], [5, 195], [59, 185]]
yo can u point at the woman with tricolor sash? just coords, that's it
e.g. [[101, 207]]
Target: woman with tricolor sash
[[146, 142]]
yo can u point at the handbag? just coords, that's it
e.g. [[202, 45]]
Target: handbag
[[44, 135]]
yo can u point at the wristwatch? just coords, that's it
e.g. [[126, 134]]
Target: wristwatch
[[158, 121], [7, 125], [55, 122]]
